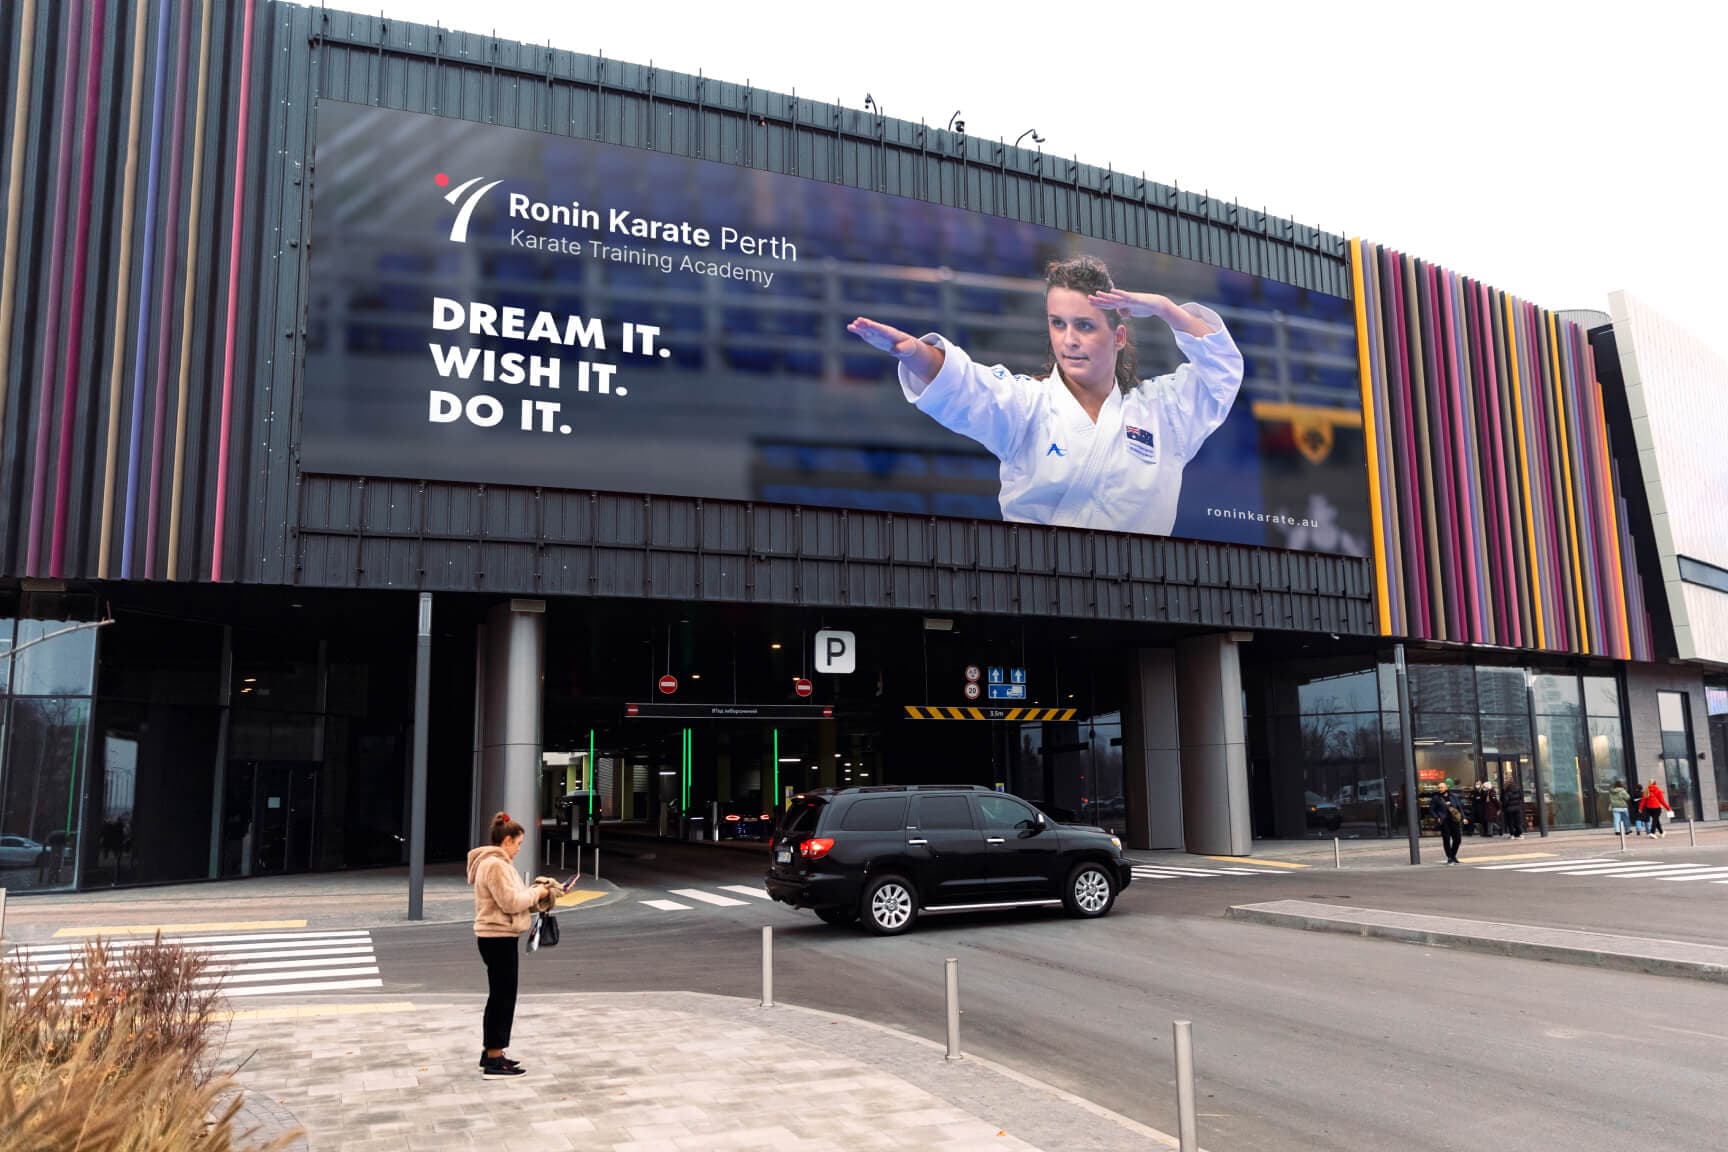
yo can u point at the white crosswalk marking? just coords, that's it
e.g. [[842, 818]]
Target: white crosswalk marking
[[1180, 872], [744, 890], [667, 905], [244, 964], [1619, 869], [707, 897]]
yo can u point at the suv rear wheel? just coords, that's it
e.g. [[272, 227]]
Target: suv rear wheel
[[889, 906], [1090, 892], [838, 917]]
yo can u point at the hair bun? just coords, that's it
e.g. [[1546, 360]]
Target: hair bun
[[501, 818]]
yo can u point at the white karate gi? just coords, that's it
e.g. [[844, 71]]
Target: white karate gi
[[1124, 473]]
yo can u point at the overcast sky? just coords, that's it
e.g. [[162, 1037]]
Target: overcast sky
[[1556, 151]]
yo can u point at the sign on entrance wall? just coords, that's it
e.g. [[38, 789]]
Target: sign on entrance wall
[[668, 684], [496, 305], [836, 652]]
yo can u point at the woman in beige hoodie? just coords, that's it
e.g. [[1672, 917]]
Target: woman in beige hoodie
[[502, 903]]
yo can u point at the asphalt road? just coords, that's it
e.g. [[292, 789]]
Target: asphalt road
[[1303, 1040]]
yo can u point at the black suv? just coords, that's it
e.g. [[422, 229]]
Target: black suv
[[885, 853]]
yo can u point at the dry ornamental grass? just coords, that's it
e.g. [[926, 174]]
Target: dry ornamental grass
[[115, 1053]]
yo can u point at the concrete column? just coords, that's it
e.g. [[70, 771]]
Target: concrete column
[[1152, 752], [1215, 813], [510, 737]]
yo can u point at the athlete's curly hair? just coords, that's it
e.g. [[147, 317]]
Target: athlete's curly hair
[[1086, 275]]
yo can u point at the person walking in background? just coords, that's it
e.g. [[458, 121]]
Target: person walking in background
[[502, 903], [1479, 807], [1654, 804], [1443, 806], [1496, 816], [1619, 801], [1512, 805]]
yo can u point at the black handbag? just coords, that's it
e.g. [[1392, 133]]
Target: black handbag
[[546, 934]]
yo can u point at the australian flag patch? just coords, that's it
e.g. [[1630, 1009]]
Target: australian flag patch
[[1142, 443]]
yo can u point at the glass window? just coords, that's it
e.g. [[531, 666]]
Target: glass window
[[1671, 711], [1388, 676], [1006, 814], [59, 667], [1442, 688], [1344, 787], [886, 814], [1557, 692], [1502, 691], [1560, 760], [1445, 747], [936, 813], [152, 794], [1505, 736], [1608, 759], [38, 800], [6, 623], [1349, 692], [1601, 696]]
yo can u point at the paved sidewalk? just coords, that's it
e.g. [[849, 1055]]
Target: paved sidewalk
[[1568, 946], [1394, 851], [644, 1072]]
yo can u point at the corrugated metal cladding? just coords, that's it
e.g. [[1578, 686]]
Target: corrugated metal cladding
[[151, 331]]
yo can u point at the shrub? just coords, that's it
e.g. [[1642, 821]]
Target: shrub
[[114, 1053]]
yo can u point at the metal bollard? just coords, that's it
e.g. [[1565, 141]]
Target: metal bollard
[[2, 913], [767, 966], [1621, 832], [952, 974], [1186, 1128], [1692, 831], [1337, 858], [562, 844], [596, 862]]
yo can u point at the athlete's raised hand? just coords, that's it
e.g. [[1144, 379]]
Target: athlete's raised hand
[[1151, 304], [924, 360]]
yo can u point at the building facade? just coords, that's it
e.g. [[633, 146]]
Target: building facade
[[231, 233]]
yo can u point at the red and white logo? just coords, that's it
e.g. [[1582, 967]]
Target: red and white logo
[[668, 684], [459, 230]]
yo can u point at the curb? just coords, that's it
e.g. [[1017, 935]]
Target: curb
[[1618, 961]]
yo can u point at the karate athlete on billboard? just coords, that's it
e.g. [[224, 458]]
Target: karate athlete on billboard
[[1090, 445]]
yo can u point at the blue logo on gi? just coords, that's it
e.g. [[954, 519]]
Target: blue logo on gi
[[1053, 450]]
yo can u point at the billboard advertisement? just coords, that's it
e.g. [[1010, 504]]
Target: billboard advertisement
[[495, 305]]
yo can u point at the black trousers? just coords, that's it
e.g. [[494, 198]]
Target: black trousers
[[1654, 815], [1450, 837], [1515, 821], [503, 956]]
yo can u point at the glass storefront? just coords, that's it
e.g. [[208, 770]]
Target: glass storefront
[[47, 668], [1330, 732]]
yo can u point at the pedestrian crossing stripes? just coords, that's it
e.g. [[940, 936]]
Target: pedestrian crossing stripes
[[724, 896], [244, 964], [1620, 869], [1182, 872]]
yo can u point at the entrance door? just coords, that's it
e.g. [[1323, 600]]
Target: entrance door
[[1679, 763], [284, 807]]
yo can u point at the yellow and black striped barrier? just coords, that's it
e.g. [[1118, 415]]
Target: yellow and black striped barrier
[[969, 712]]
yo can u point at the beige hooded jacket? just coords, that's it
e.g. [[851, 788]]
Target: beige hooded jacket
[[501, 901]]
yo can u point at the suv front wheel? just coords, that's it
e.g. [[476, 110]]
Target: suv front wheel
[[889, 906], [1090, 892]]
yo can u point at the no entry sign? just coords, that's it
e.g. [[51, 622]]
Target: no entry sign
[[668, 684]]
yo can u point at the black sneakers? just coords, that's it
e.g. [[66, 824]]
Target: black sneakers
[[499, 1066]]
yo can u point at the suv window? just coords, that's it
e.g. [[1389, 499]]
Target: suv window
[[1004, 813], [887, 814], [801, 817], [936, 812]]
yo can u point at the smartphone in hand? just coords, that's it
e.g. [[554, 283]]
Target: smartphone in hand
[[570, 883]]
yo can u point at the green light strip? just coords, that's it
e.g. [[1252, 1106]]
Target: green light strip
[[776, 806], [592, 780]]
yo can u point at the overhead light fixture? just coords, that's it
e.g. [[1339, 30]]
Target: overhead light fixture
[[938, 624], [695, 675], [775, 645], [249, 680], [1032, 132], [955, 124], [790, 760]]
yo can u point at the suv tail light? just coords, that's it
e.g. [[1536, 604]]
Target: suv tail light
[[816, 848]]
